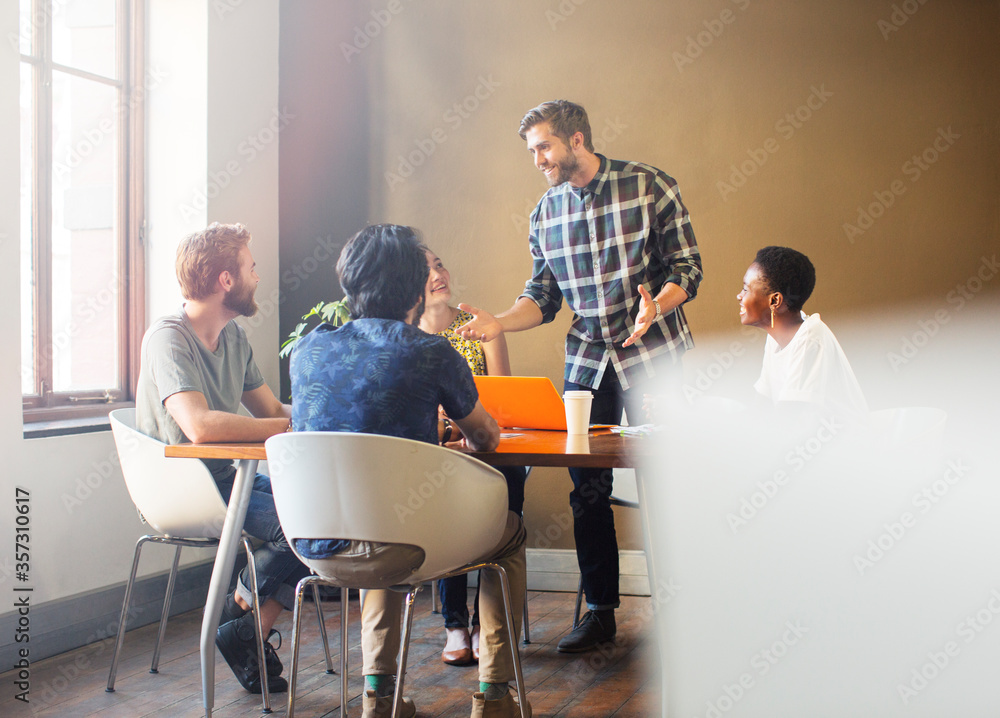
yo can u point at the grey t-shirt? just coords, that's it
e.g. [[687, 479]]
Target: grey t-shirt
[[173, 359]]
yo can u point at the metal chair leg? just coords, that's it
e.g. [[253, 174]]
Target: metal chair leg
[[524, 621], [258, 629], [314, 582], [121, 623], [397, 698], [322, 629], [171, 581], [434, 597], [345, 602], [515, 654], [579, 603], [296, 625]]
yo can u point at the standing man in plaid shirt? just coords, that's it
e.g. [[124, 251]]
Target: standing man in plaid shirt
[[615, 241]]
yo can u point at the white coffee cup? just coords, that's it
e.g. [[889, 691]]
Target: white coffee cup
[[577, 411]]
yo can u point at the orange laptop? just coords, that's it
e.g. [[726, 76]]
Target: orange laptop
[[528, 402]]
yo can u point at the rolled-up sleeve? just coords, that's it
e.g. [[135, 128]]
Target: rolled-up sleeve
[[674, 240], [542, 288]]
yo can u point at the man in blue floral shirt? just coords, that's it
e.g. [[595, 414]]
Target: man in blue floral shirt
[[380, 374]]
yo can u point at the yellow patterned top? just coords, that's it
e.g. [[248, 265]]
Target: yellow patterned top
[[471, 349]]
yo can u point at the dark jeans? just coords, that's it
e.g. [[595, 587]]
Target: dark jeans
[[593, 518], [454, 591], [278, 569]]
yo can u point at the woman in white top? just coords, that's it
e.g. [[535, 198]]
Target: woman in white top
[[803, 362]]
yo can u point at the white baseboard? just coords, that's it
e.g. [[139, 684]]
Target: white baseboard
[[557, 570]]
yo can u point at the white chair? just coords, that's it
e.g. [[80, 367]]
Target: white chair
[[386, 489], [179, 499]]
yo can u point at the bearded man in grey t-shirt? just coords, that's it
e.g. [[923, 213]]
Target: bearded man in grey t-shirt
[[197, 369]]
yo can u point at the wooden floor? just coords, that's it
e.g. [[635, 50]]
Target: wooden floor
[[618, 681]]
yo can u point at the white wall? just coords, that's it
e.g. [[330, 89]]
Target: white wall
[[82, 536]]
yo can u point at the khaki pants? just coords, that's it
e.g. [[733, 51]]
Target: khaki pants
[[380, 614]]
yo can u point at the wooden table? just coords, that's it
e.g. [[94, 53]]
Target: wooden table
[[518, 447], [525, 447]]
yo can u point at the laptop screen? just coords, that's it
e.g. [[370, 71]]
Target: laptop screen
[[528, 402]]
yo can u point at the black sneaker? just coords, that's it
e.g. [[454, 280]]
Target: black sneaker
[[238, 646], [231, 610], [595, 627], [274, 667]]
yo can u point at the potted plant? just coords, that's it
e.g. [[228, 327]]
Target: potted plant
[[333, 312]]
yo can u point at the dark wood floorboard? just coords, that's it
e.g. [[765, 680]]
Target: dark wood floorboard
[[619, 681]]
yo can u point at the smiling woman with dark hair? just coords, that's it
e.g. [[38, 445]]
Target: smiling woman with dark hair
[[803, 362], [439, 317]]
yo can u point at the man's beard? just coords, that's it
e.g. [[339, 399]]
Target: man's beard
[[564, 170], [240, 300]]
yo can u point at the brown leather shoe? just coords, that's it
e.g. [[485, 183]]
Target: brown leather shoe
[[458, 649], [475, 643]]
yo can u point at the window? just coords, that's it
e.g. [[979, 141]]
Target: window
[[82, 312]]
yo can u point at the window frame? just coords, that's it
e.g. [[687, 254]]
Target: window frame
[[44, 405]]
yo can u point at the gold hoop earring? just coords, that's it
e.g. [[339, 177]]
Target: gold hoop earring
[[772, 317]]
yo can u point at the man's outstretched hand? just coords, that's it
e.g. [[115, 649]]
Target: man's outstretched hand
[[645, 318], [483, 327]]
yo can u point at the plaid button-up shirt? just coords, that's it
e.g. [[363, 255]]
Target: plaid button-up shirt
[[594, 246]]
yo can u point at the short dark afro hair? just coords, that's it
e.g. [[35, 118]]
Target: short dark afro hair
[[787, 271]]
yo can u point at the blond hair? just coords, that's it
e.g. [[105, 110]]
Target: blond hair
[[204, 255]]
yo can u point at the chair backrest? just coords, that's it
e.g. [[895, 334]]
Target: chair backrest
[[177, 497], [368, 487]]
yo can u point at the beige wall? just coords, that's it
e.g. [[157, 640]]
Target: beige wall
[[695, 88]]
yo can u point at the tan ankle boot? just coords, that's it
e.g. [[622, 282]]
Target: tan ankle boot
[[505, 707]]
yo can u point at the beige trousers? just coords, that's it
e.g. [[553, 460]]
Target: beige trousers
[[381, 612]]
